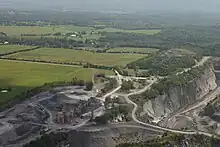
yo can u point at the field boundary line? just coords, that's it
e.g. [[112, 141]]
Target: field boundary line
[[19, 51], [51, 63], [38, 62]]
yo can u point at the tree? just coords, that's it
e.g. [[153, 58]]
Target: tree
[[89, 86], [125, 73], [127, 85], [101, 119], [136, 70]]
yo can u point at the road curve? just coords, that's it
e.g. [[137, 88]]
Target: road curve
[[154, 126]]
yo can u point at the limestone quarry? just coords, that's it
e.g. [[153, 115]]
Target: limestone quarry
[[184, 108]]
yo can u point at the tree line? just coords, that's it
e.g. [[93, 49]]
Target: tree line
[[83, 64], [19, 51]]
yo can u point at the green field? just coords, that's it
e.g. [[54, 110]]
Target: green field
[[146, 32], [11, 48], [75, 56], [18, 30], [129, 49], [73, 28], [21, 76]]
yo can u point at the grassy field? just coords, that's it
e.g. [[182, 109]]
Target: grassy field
[[18, 30], [73, 28], [128, 49], [21, 76], [68, 55], [10, 48], [146, 32]]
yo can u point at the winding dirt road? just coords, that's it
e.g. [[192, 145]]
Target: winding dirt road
[[154, 126], [159, 127]]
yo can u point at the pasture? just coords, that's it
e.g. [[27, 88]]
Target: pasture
[[11, 48], [22, 76], [131, 50], [76, 56]]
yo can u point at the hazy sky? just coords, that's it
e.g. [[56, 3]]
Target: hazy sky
[[126, 5]]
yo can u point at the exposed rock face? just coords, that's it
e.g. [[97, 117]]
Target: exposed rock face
[[180, 96]]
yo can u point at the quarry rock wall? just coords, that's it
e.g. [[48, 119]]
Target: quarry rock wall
[[178, 97]]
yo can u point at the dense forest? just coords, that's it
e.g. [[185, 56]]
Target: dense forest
[[162, 64]]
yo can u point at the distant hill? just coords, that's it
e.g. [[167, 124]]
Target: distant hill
[[115, 5]]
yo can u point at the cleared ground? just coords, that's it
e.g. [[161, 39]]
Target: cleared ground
[[146, 32], [11, 48], [139, 50], [21, 76], [76, 56]]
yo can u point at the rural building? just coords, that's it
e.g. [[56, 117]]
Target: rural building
[[73, 35]]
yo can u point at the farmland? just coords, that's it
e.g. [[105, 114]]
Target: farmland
[[146, 32], [38, 30], [22, 76], [75, 56], [11, 48], [131, 50]]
